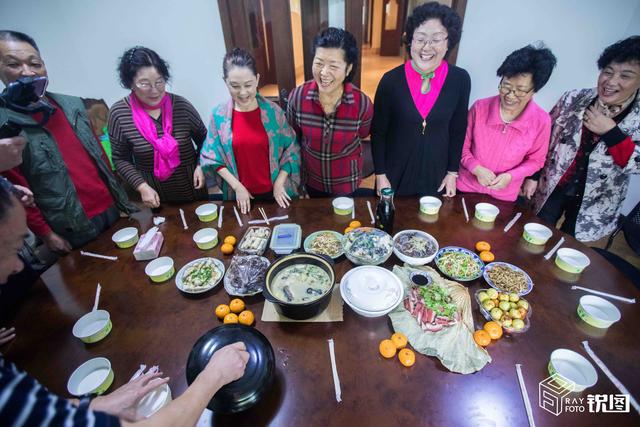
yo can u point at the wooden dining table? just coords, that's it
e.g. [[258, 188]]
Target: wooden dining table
[[157, 324]]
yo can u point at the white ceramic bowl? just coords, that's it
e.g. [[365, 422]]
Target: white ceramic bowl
[[93, 376], [598, 312], [342, 205], [486, 212], [571, 260], [536, 234], [206, 238], [415, 260], [572, 370], [371, 291], [207, 212], [126, 237], [160, 269], [430, 205]]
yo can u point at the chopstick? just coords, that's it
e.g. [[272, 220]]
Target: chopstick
[[554, 249], [273, 218], [513, 221], [95, 303], [220, 217], [604, 294], [184, 222], [91, 254], [353, 211], [264, 215], [466, 213], [235, 211], [525, 395], [334, 371], [616, 382], [373, 218]]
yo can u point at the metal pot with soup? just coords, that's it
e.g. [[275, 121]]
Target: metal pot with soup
[[300, 285]]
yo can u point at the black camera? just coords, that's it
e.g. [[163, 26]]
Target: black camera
[[25, 96]]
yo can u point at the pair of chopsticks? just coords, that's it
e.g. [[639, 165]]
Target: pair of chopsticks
[[264, 215], [605, 294]]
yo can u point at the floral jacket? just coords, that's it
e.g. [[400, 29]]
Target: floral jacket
[[607, 183], [284, 152]]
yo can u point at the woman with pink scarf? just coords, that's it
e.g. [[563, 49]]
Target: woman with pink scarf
[[152, 133]]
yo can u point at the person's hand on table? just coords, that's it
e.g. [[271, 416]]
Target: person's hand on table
[[243, 198], [280, 194], [6, 335], [149, 196], [382, 182], [123, 401], [500, 181], [26, 196], [529, 188], [228, 363], [597, 122], [485, 176], [56, 243], [198, 178], [448, 185], [11, 152]]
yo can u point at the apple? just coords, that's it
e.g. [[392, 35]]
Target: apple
[[493, 294], [515, 313], [504, 306], [512, 305], [514, 297], [503, 297], [488, 305], [506, 321], [524, 304], [518, 324], [496, 313], [523, 312], [482, 296]]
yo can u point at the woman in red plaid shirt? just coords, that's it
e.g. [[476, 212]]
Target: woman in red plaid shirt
[[331, 117]]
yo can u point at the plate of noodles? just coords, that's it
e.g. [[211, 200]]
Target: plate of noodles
[[459, 263], [507, 277], [325, 242]]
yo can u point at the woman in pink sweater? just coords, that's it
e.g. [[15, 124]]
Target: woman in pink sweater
[[508, 135]]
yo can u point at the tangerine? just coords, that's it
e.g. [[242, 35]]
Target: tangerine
[[407, 357], [387, 349], [348, 229], [246, 317], [355, 224], [494, 329], [487, 256], [483, 246], [399, 339], [230, 318], [236, 305], [230, 240], [222, 310], [226, 248], [482, 337]]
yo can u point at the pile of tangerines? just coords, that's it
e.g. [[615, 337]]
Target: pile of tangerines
[[352, 226], [490, 331], [484, 251], [235, 312], [228, 245], [397, 343]]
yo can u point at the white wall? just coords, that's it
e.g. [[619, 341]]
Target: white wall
[[81, 41], [576, 32]]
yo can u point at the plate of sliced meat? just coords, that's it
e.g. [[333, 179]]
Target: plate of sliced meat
[[432, 307]]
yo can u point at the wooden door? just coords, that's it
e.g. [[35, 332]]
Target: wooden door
[[393, 16]]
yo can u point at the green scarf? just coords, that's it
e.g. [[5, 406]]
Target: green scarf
[[426, 79]]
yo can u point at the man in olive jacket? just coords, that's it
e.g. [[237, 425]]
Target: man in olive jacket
[[63, 163]]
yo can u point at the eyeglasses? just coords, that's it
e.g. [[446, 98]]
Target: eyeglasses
[[436, 41], [145, 85], [519, 93]]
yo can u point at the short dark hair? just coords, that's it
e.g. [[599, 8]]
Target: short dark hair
[[434, 10], [6, 199], [238, 57], [139, 57], [338, 38], [627, 50], [539, 61], [17, 36]]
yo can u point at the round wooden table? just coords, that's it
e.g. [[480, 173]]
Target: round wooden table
[[157, 324]]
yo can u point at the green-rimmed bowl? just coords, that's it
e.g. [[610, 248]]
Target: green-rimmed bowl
[[126, 237], [536, 234], [571, 260], [571, 370], [207, 238], [93, 326], [486, 212], [160, 269], [430, 205], [207, 212], [598, 312], [343, 205], [92, 377]]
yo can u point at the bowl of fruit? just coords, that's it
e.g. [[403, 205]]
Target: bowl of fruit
[[508, 309]]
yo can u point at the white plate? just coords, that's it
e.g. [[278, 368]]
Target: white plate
[[180, 284]]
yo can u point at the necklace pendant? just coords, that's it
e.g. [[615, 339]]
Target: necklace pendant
[[424, 125]]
